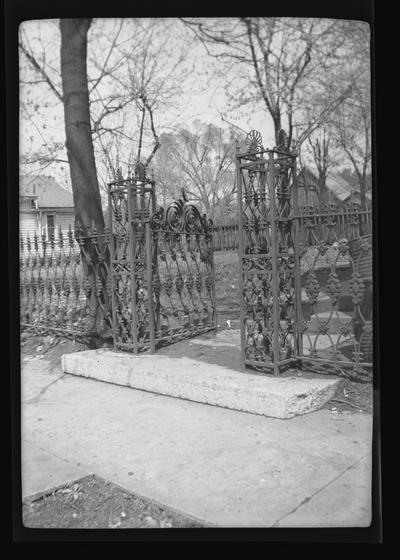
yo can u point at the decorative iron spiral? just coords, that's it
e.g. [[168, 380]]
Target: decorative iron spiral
[[174, 215], [157, 219], [191, 218], [207, 223], [180, 217]]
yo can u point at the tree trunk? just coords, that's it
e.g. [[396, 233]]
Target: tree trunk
[[323, 191], [276, 117], [363, 190], [79, 144]]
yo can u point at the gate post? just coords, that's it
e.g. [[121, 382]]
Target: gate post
[[241, 255], [132, 214], [298, 330], [274, 263], [149, 270], [112, 247]]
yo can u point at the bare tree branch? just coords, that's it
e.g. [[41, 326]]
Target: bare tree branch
[[41, 70]]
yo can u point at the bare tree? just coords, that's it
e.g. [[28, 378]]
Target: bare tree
[[79, 144], [352, 125], [131, 94], [287, 63], [201, 163], [320, 147], [40, 97], [132, 71]]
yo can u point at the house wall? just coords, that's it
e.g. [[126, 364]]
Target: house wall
[[31, 221], [307, 196], [62, 218], [28, 223]]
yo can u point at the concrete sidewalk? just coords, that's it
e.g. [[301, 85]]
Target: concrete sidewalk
[[222, 466]]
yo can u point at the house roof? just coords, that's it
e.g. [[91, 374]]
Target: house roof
[[338, 186], [335, 183], [48, 192]]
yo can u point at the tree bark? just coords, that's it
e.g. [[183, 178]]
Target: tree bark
[[82, 165], [79, 144], [363, 191], [323, 191]]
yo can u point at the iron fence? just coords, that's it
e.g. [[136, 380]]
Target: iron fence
[[64, 282], [162, 267], [149, 279], [226, 232], [306, 278]]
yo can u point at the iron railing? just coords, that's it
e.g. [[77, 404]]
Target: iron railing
[[306, 280], [64, 282], [162, 267]]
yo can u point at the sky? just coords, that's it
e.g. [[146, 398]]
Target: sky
[[202, 82], [203, 97]]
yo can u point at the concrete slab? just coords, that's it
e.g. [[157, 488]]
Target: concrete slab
[[42, 471], [226, 467], [279, 397], [333, 505]]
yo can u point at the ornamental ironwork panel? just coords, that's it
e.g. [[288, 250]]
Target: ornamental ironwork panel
[[184, 280], [162, 267], [306, 272], [335, 308], [266, 250], [131, 201], [64, 282]]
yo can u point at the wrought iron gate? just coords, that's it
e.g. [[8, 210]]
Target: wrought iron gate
[[306, 272], [162, 267]]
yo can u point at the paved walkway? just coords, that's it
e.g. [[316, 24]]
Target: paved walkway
[[225, 467]]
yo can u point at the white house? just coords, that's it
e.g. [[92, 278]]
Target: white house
[[44, 205]]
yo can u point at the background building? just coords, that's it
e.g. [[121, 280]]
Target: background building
[[44, 206]]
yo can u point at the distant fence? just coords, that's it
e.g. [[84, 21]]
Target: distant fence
[[226, 232], [226, 235]]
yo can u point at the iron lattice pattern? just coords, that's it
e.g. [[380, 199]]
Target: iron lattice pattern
[[335, 254], [306, 272], [267, 256], [64, 284], [162, 268], [183, 282], [130, 203]]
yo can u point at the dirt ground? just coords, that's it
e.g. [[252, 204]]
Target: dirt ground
[[94, 503]]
